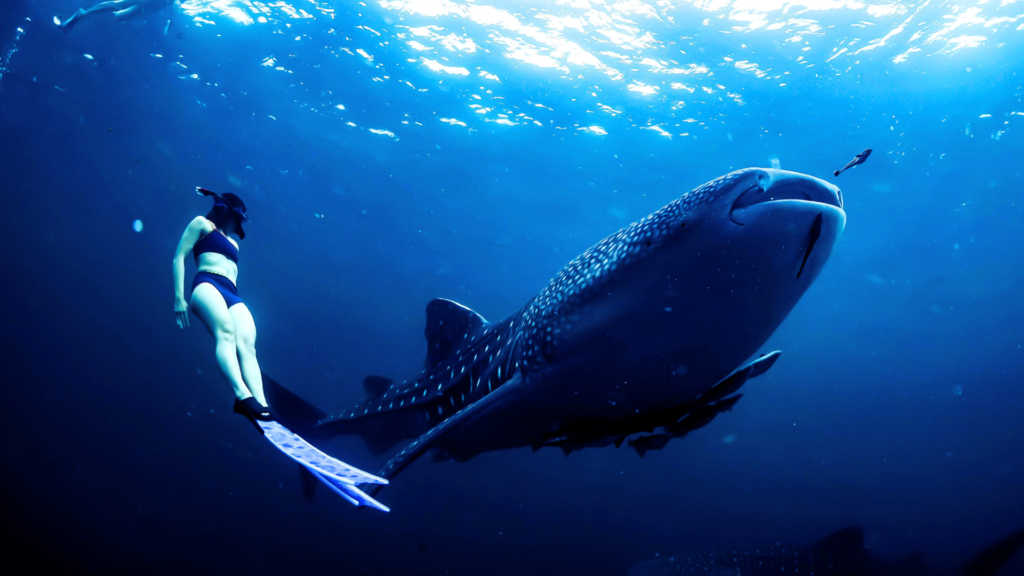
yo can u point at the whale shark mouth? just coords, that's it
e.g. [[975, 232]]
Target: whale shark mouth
[[788, 190], [791, 190]]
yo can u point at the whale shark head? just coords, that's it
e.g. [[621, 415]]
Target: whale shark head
[[781, 208], [683, 296]]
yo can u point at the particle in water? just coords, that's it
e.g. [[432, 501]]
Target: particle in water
[[137, 225]]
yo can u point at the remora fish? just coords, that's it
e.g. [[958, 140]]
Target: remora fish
[[643, 336], [841, 553], [858, 159]]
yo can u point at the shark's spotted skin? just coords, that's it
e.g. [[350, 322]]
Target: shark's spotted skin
[[642, 337], [481, 357], [467, 359], [570, 289], [486, 355]]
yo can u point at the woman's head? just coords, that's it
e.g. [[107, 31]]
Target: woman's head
[[228, 212]]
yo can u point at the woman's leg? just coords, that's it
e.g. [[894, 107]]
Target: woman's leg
[[111, 6], [122, 15], [209, 305], [245, 342]]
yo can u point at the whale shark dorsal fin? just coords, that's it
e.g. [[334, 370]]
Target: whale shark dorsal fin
[[376, 385], [448, 325], [849, 540]]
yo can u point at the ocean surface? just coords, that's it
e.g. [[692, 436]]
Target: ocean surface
[[396, 151]]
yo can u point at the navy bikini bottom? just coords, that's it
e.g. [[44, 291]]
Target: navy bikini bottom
[[223, 285]]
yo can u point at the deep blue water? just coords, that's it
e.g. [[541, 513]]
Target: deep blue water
[[896, 404]]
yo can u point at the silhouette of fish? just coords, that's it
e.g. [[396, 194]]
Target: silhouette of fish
[[858, 159], [646, 336], [840, 553]]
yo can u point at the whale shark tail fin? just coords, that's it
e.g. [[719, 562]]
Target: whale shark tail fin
[[382, 421], [989, 561], [290, 409], [450, 327], [380, 432]]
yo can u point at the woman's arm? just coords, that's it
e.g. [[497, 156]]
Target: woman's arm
[[188, 240]]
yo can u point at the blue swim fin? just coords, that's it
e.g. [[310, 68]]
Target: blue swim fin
[[339, 476], [350, 492]]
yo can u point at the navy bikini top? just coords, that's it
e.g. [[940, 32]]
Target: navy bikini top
[[218, 244]]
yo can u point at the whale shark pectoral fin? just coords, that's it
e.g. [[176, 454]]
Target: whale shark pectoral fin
[[448, 325], [644, 444], [702, 416], [734, 381], [763, 363], [427, 441], [673, 422], [698, 418]]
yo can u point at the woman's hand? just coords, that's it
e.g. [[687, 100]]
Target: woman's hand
[[181, 311]]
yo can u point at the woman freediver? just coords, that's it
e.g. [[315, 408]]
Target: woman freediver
[[215, 299]]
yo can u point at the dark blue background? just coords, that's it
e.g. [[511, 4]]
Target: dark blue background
[[896, 404]]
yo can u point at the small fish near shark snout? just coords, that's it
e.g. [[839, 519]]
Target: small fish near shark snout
[[857, 160], [644, 337]]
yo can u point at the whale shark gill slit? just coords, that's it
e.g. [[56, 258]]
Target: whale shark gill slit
[[812, 239]]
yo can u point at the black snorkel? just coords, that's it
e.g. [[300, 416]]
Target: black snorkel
[[230, 202]]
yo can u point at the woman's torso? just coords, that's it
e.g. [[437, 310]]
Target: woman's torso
[[216, 262]]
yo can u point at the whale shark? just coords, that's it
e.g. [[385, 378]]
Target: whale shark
[[643, 338], [840, 553]]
